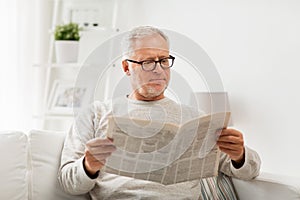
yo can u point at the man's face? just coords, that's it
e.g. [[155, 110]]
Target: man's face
[[148, 85]]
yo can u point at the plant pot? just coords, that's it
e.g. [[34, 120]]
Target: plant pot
[[66, 51]]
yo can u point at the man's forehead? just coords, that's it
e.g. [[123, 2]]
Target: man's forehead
[[150, 52]]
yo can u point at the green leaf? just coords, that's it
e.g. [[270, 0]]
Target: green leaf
[[67, 32]]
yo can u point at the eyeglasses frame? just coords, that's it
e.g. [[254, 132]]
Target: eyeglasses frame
[[158, 61]]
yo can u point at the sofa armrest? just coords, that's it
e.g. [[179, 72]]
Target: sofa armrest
[[268, 186]]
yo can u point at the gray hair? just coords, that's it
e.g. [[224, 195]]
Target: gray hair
[[139, 33]]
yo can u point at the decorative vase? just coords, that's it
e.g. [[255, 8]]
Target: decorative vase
[[66, 51]]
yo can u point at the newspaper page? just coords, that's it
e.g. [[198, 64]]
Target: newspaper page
[[163, 152]]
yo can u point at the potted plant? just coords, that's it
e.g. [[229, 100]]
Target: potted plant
[[66, 42]]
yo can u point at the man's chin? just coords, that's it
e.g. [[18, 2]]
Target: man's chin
[[152, 92]]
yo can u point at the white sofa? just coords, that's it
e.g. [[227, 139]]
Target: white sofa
[[30, 162]]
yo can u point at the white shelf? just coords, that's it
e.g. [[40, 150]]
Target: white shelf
[[59, 65], [49, 72]]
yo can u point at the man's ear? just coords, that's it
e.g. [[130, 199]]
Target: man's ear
[[125, 67]]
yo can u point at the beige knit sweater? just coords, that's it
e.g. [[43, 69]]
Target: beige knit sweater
[[93, 123]]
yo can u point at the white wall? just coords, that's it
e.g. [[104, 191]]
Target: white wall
[[255, 45]]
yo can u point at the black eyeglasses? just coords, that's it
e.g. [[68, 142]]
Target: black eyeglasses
[[150, 65]]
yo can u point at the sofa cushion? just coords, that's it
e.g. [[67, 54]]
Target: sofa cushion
[[13, 168], [268, 186], [45, 151]]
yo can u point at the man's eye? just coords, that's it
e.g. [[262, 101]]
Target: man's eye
[[163, 61], [148, 62]]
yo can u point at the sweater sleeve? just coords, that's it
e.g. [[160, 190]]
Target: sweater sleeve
[[72, 176], [249, 170]]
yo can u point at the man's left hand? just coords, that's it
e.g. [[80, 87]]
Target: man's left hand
[[231, 142]]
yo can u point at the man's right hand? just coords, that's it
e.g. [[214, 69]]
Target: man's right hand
[[96, 152]]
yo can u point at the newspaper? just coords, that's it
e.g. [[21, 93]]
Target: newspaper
[[164, 152]]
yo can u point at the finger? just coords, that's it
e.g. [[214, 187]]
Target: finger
[[229, 150], [98, 141], [102, 149], [232, 154], [230, 146], [231, 139], [229, 131], [96, 158], [102, 156]]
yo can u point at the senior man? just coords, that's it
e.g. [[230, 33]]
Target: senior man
[[147, 62]]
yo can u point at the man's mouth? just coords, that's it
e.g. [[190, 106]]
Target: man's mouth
[[158, 80]]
